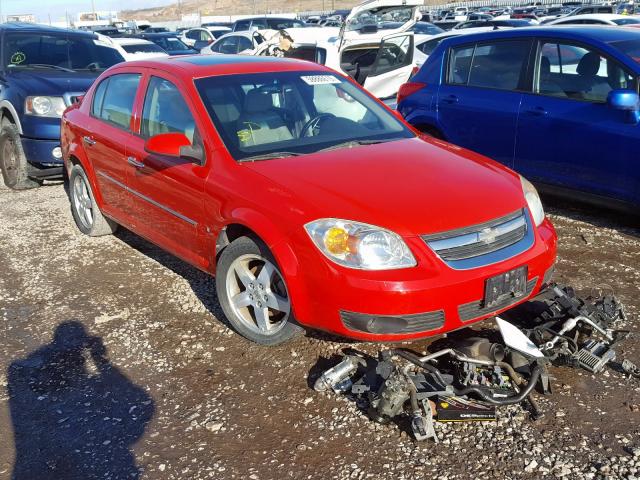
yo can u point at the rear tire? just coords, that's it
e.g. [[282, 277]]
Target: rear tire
[[13, 162], [253, 294], [84, 208]]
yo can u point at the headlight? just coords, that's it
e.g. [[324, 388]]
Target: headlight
[[358, 245], [533, 200], [44, 106]]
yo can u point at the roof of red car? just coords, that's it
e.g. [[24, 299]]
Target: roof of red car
[[197, 66]]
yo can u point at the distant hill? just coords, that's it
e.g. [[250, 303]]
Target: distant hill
[[175, 11], [233, 7]]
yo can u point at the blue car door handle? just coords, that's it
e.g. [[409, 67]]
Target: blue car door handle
[[538, 112], [450, 99]]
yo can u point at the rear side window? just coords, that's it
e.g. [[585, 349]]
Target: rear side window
[[498, 65], [118, 96]]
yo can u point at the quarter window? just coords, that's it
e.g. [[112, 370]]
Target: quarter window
[[165, 111], [498, 65], [571, 71], [114, 102]]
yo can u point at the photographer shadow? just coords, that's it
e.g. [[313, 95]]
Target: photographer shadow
[[74, 414]]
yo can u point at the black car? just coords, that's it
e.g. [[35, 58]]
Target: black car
[[266, 23], [169, 42]]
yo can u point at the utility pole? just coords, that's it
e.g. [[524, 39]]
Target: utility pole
[[93, 9]]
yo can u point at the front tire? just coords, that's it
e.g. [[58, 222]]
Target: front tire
[[84, 208], [13, 162], [253, 293]]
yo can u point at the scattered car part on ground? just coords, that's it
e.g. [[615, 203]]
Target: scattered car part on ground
[[471, 376], [163, 142]]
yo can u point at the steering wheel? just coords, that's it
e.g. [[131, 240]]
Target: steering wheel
[[314, 123], [92, 66]]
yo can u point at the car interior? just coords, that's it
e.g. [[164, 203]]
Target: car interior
[[259, 114]]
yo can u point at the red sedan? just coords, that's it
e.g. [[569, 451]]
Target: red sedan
[[309, 200]]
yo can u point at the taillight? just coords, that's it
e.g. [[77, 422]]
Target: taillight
[[407, 89], [415, 70]]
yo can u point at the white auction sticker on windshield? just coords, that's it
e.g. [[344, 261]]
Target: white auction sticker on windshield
[[319, 79]]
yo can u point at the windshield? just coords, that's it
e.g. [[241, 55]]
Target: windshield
[[626, 21], [378, 15], [76, 52], [292, 113], [630, 48], [425, 28], [170, 44], [142, 48]]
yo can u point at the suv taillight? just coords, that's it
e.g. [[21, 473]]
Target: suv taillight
[[407, 89]]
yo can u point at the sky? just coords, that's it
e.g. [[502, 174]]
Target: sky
[[57, 8]]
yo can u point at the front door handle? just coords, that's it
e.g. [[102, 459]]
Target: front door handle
[[538, 112], [450, 99], [134, 162], [89, 141]]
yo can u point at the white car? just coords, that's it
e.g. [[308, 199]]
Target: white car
[[596, 19], [426, 45], [242, 43], [201, 37], [379, 60], [136, 48]]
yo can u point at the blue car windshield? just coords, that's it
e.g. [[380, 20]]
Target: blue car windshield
[[58, 51], [277, 114], [630, 48]]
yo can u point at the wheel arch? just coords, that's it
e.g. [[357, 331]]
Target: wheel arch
[[8, 110], [249, 222]]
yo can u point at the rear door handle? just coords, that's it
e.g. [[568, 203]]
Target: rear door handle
[[538, 112], [134, 162], [89, 141], [450, 99]]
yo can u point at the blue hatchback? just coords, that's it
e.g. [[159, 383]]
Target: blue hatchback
[[557, 104]]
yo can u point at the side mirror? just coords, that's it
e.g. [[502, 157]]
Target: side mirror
[[627, 101], [175, 145]]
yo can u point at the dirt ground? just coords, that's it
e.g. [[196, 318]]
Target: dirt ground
[[114, 365]]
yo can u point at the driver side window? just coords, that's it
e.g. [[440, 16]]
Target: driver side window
[[165, 111], [575, 72]]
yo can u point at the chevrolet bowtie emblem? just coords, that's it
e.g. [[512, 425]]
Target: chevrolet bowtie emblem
[[487, 235]]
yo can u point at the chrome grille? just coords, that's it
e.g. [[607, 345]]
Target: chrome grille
[[482, 239]]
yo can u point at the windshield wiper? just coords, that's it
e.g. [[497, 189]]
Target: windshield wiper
[[269, 156], [352, 143], [45, 65]]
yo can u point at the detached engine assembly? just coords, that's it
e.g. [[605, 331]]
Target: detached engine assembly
[[467, 380]]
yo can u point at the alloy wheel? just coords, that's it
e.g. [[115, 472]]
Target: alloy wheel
[[82, 201], [257, 294]]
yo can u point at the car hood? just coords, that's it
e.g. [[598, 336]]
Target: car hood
[[410, 186], [53, 82]]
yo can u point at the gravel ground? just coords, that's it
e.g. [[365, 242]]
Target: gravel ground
[[113, 364]]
